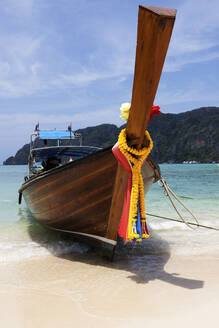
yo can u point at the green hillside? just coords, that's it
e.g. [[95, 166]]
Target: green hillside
[[189, 136]]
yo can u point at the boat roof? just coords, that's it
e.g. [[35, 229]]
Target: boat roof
[[57, 151], [56, 134]]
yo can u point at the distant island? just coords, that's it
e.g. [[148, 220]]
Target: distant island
[[188, 136]]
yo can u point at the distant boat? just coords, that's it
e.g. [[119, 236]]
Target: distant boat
[[81, 189], [190, 162]]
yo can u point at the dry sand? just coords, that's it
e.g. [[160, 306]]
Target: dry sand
[[87, 291]]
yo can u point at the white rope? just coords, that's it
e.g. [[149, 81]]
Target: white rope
[[191, 223], [168, 192]]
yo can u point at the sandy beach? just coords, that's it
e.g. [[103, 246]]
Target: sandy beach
[[87, 291], [170, 280]]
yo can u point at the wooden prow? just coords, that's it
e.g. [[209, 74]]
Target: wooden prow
[[154, 31]]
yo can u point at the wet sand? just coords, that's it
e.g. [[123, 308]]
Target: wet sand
[[83, 290]]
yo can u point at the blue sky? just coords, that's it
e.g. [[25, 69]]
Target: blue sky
[[67, 61]]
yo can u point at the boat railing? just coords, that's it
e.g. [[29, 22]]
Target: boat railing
[[58, 135], [45, 158]]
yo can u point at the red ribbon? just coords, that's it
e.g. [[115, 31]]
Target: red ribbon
[[123, 225], [154, 111]]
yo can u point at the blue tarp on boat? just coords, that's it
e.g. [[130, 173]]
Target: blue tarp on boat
[[56, 134]]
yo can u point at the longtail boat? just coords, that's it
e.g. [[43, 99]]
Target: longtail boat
[[92, 196]]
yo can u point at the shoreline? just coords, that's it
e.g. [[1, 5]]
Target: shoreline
[[50, 291], [169, 281], [159, 163]]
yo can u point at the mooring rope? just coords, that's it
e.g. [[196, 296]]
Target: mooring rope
[[190, 223], [168, 192]]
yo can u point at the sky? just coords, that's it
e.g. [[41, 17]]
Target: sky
[[68, 61]]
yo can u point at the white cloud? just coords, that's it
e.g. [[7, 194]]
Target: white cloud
[[17, 121], [174, 64], [16, 8], [18, 65], [194, 92], [195, 35], [32, 61], [68, 54], [14, 89], [4, 68], [35, 68], [22, 124], [78, 79]]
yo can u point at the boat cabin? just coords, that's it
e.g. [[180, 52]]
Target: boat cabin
[[52, 148]]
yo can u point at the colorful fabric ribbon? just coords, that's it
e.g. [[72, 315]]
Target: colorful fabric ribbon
[[133, 221]]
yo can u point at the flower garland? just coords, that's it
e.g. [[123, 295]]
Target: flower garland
[[136, 158], [125, 108]]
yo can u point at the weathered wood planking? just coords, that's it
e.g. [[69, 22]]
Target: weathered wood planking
[[154, 31], [77, 198], [117, 202]]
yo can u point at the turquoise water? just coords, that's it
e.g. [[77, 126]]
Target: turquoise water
[[197, 185]]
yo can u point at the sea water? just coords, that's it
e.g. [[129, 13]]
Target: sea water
[[196, 185]]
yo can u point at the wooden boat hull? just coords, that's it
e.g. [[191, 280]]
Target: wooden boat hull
[[76, 197]]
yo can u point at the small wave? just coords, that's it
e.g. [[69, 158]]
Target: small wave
[[21, 251], [167, 226]]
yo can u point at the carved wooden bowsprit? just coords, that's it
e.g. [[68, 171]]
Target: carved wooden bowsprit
[[154, 31]]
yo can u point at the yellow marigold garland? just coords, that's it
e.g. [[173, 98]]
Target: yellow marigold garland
[[125, 107], [137, 192]]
